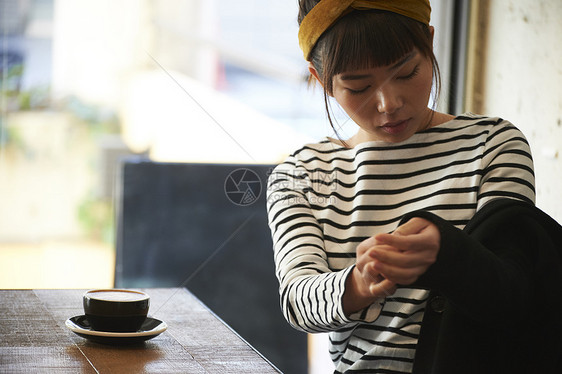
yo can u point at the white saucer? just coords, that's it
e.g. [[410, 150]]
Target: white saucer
[[150, 328]]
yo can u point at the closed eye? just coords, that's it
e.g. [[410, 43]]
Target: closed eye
[[357, 92], [414, 72]]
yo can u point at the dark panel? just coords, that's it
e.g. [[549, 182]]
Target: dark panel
[[204, 227]]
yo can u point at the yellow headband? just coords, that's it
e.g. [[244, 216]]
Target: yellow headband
[[326, 12]]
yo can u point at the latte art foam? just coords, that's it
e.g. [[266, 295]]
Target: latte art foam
[[117, 295]]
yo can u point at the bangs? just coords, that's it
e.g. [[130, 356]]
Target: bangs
[[366, 39]]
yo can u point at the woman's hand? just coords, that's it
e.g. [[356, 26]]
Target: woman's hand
[[365, 284], [407, 253], [385, 260]]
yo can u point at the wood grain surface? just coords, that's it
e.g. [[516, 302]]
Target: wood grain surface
[[34, 338]]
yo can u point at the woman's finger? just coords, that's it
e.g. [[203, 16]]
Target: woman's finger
[[383, 288], [409, 259], [400, 275], [412, 226], [428, 238]]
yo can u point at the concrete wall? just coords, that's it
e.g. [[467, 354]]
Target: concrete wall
[[523, 83]]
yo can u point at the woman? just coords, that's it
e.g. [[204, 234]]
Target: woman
[[366, 229]]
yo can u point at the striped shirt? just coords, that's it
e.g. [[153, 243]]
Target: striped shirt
[[325, 199]]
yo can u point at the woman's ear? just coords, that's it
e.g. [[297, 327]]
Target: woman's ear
[[314, 74], [432, 31]]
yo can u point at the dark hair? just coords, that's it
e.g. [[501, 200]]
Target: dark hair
[[366, 38]]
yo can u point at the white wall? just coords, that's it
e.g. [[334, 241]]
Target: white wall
[[523, 76]]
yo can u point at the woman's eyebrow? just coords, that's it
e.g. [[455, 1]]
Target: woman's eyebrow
[[397, 65]]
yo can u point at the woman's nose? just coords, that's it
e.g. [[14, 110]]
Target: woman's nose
[[388, 99]]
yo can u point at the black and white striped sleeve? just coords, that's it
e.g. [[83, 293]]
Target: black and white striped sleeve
[[311, 293], [507, 166]]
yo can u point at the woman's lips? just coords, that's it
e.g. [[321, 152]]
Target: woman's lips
[[395, 127]]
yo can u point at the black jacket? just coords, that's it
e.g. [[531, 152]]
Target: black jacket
[[495, 294]]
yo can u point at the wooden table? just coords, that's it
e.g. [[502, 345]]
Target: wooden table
[[34, 338]]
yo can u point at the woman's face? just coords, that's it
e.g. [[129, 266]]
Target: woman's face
[[389, 103]]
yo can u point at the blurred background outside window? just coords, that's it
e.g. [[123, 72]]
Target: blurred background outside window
[[85, 83]]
